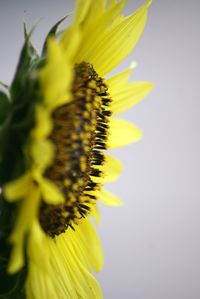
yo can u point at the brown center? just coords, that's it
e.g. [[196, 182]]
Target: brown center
[[79, 136]]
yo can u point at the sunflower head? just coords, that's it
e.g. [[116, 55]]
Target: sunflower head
[[79, 136], [57, 121]]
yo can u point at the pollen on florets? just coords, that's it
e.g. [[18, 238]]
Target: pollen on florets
[[80, 137]]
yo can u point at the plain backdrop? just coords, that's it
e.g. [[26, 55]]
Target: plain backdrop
[[152, 244]]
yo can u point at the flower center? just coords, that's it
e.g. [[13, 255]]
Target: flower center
[[79, 136]]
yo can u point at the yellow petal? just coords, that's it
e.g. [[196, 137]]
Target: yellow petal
[[27, 212], [69, 252], [112, 3], [70, 42], [95, 213], [109, 199], [40, 280], [43, 122], [81, 9], [118, 81], [39, 284], [55, 77], [38, 240], [19, 188], [50, 192], [96, 9], [122, 133], [94, 289], [129, 96], [68, 255], [117, 42], [42, 152], [111, 170], [17, 258], [61, 273], [120, 17], [92, 244], [94, 29]]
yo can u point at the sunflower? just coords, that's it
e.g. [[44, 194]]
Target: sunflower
[[57, 121]]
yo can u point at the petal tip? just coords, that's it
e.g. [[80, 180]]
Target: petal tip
[[148, 3], [133, 65]]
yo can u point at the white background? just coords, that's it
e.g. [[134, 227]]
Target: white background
[[152, 244]]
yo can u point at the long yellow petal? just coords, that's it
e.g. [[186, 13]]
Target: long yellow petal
[[95, 213], [95, 10], [70, 249], [81, 10], [92, 243], [71, 43], [37, 245], [111, 170], [129, 96], [118, 81], [43, 122], [55, 77], [38, 148], [94, 29], [40, 282], [122, 133], [117, 42], [109, 199], [27, 213], [68, 266], [19, 188], [50, 192]]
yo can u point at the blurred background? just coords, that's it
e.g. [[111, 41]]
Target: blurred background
[[152, 244]]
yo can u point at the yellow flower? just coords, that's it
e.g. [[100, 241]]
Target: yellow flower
[[74, 124]]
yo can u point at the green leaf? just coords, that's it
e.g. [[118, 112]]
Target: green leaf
[[4, 133], [52, 33], [7, 218], [4, 85], [4, 106], [4, 216], [11, 286]]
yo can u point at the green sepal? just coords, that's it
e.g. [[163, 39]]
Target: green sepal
[[15, 131], [52, 33], [4, 142], [14, 136], [4, 106], [24, 72], [24, 95]]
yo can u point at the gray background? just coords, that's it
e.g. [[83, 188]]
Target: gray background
[[152, 244]]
